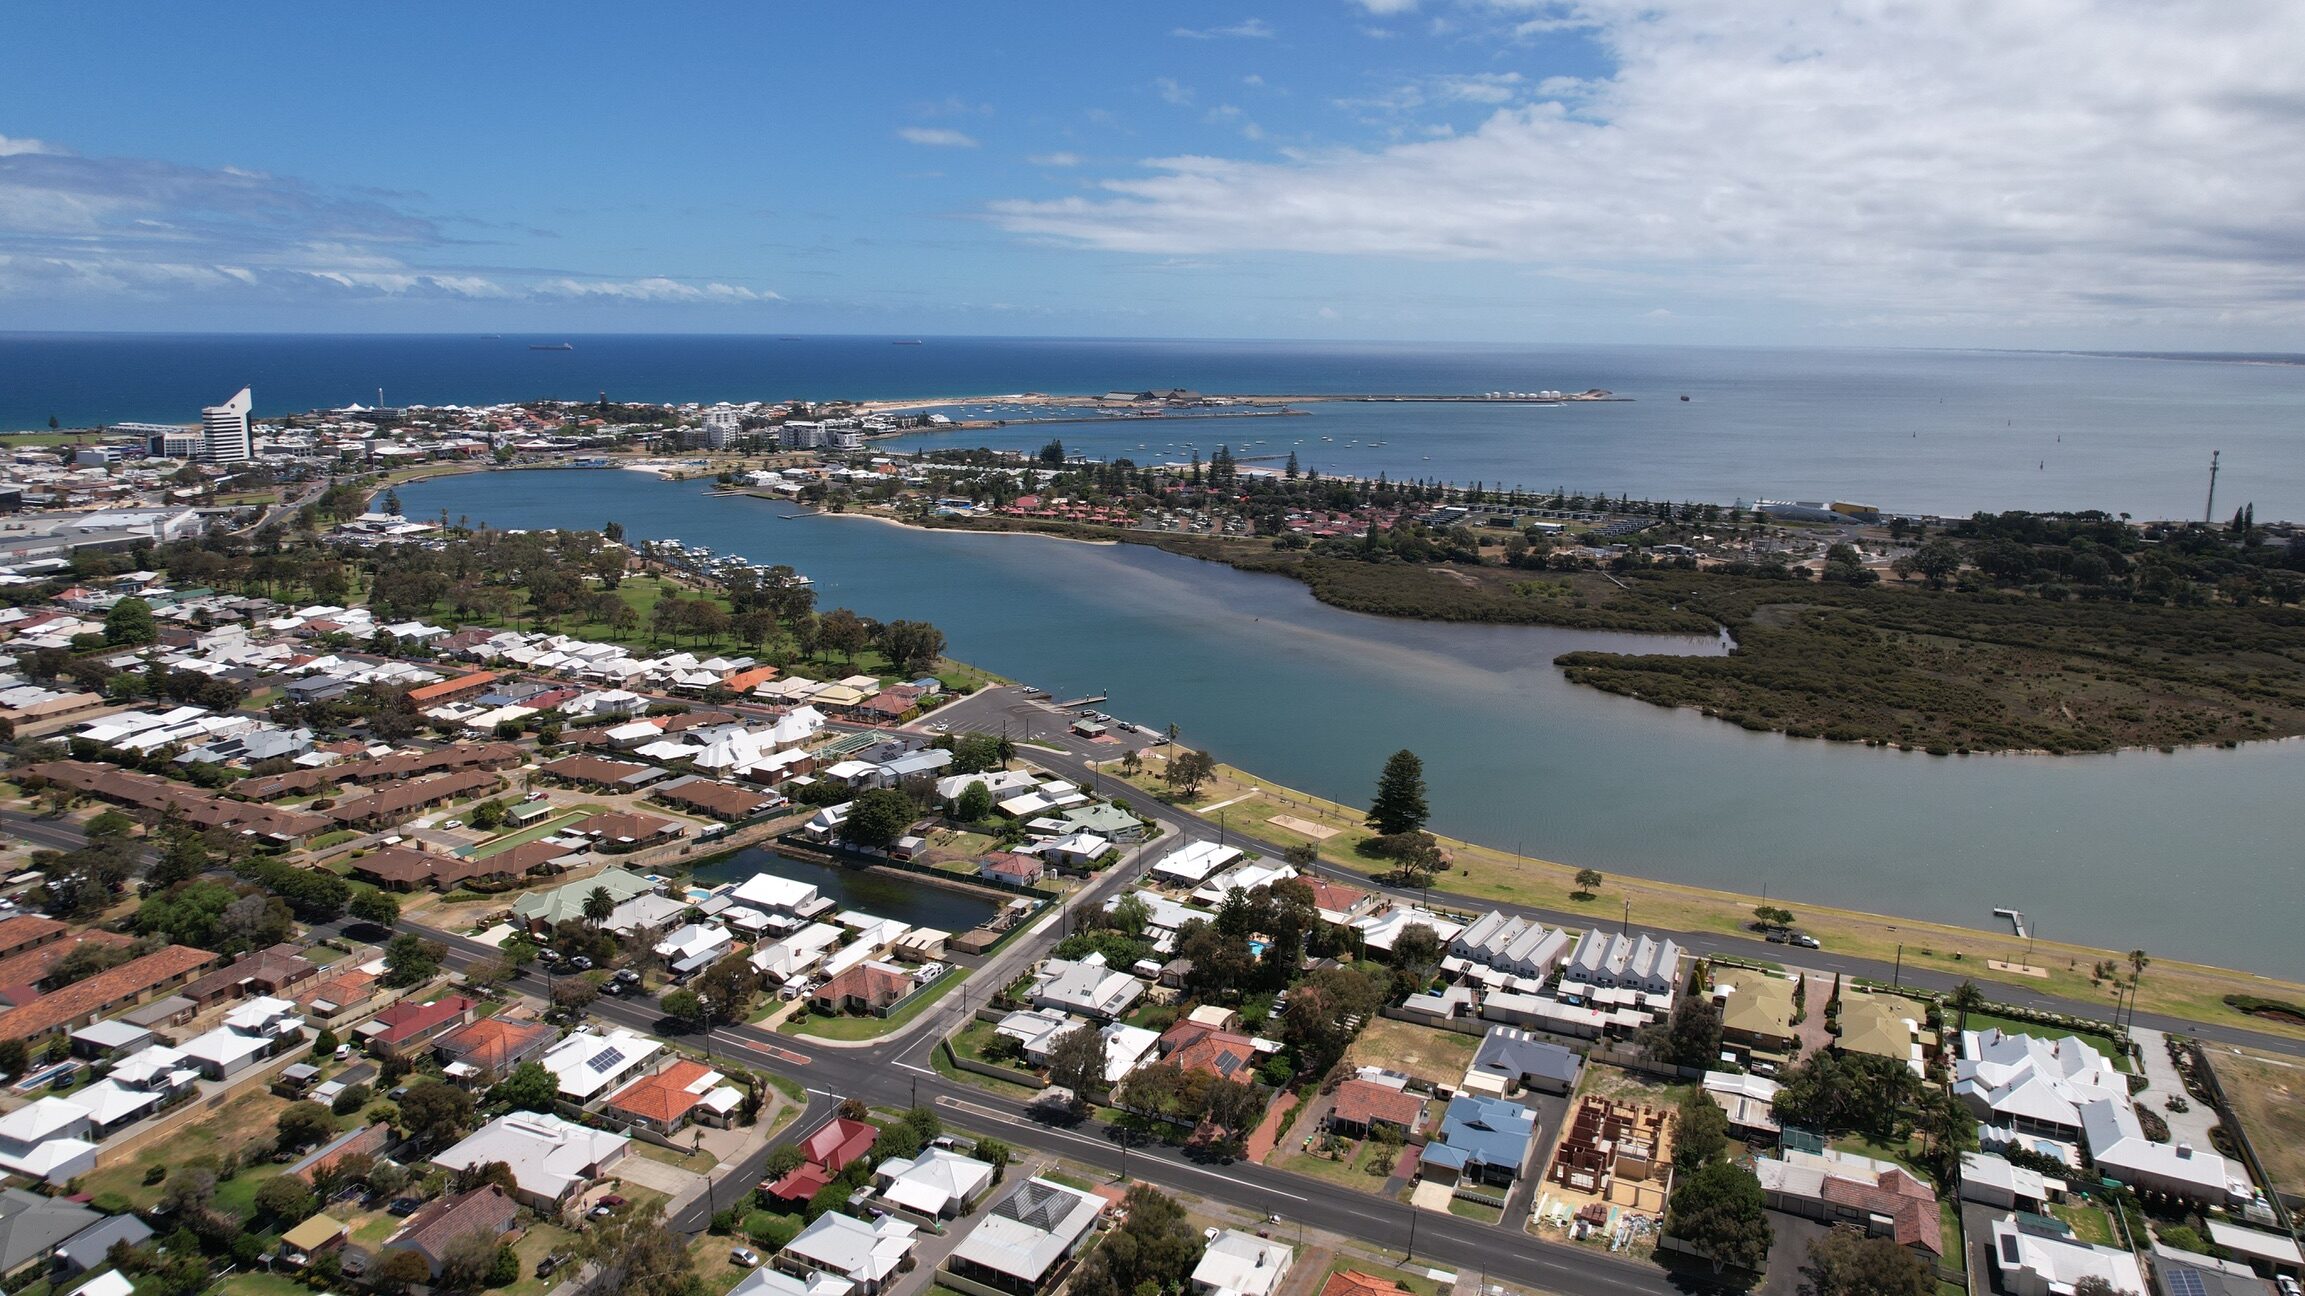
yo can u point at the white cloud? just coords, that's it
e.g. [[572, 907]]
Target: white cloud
[[1173, 91], [936, 137], [1247, 29], [2049, 162], [1055, 159], [11, 147], [1387, 7]]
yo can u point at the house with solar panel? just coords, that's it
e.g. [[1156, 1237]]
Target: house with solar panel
[[590, 1066]]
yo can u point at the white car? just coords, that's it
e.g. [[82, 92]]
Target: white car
[[453, 823]]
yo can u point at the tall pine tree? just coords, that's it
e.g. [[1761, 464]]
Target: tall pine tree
[[1400, 803]]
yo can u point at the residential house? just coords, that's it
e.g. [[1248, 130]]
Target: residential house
[[1510, 1060], [694, 947], [486, 1051], [824, 1154], [84, 1001], [939, 1184], [1086, 987], [1991, 1181], [47, 1139], [259, 1028], [1482, 1140], [673, 1097], [1517, 946], [1842, 1188], [590, 1065], [487, 1210], [1241, 1264], [311, 1239], [551, 1159], [407, 1027], [870, 987], [33, 1226], [541, 911], [1749, 1101], [1224, 1054], [870, 1255], [1885, 1025], [1010, 868], [1352, 1282], [1027, 1244], [2031, 1260], [91, 1247], [1363, 1105], [1756, 1013], [364, 1140]]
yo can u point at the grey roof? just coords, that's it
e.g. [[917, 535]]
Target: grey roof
[[1515, 1054], [31, 1226], [1030, 1229], [87, 1248]]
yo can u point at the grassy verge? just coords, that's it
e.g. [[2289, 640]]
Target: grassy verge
[[536, 832], [2188, 990], [990, 1084], [2269, 1097], [1473, 1210]]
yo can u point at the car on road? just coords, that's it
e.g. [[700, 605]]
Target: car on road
[[745, 1256], [1806, 941], [613, 988]]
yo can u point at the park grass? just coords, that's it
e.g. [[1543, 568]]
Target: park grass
[[1431, 1055], [2269, 1098], [862, 1028], [2191, 991]]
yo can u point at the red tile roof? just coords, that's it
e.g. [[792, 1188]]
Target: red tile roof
[[404, 1021], [493, 1042], [1906, 1201], [1352, 1282], [665, 1096], [1361, 1102], [828, 1152], [119, 985], [1221, 1053]]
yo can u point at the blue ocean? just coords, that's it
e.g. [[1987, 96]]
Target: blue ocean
[[1926, 431]]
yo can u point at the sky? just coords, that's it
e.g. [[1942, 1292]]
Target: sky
[[2053, 173]]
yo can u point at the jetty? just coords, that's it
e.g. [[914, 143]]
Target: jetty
[[1077, 702], [2016, 920]]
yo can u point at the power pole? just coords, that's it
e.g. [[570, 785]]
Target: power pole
[[2209, 510]]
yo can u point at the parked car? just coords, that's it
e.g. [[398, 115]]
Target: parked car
[[745, 1256], [1780, 938], [404, 1206], [628, 976], [453, 823], [613, 988], [1808, 942], [343, 1051], [581, 963], [549, 1263]]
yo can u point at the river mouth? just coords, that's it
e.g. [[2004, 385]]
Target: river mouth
[[1274, 682]]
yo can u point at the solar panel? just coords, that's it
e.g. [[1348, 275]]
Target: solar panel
[[605, 1060], [2183, 1281]]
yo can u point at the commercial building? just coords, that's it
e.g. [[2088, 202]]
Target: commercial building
[[224, 430]]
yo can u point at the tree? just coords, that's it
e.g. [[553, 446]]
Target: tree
[[877, 818], [410, 960], [912, 645], [86, 961], [1187, 770], [468, 1261], [1417, 950], [1937, 560], [530, 1087], [1692, 1036], [1153, 1252], [304, 1124], [2099, 1285], [285, 1198], [129, 624], [684, 1006], [974, 804], [1845, 1262], [1399, 806], [996, 1154], [435, 1111], [1588, 883], [1076, 1061], [1718, 1211], [397, 1271], [1965, 999], [599, 905], [13, 1057], [2138, 962], [373, 906], [1701, 1135], [489, 973], [108, 825], [843, 632]]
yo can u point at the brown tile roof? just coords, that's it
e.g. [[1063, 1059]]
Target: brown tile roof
[[616, 825], [113, 986], [488, 1210], [407, 798], [448, 688], [345, 990], [32, 966], [868, 984], [273, 970], [1221, 1053], [366, 1141], [591, 769], [26, 930], [493, 1043], [1360, 1102], [528, 855], [663, 1097], [383, 769], [146, 792], [1335, 895], [1906, 1201], [721, 799], [402, 866]]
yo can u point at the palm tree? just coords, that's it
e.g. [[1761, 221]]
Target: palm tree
[[598, 906], [2138, 962], [1965, 999]]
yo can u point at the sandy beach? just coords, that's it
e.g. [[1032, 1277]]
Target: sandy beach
[[886, 520]]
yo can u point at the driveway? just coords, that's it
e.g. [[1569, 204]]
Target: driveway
[[2163, 1082], [1787, 1253], [635, 1168]]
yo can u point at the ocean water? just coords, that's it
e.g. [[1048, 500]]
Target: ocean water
[[2185, 855], [1929, 431]]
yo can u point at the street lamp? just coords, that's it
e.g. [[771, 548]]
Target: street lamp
[[1220, 827], [704, 1002]]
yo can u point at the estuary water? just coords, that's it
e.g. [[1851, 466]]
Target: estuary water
[[2188, 855]]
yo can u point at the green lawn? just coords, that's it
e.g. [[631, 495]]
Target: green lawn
[[2102, 1043], [857, 1028], [1473, 1210], [328, 839], [1352, 1172], [1949, 1229], [252, 1282], [534, 832], [2089, 1223], [946, 1069], [697, 1162]]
